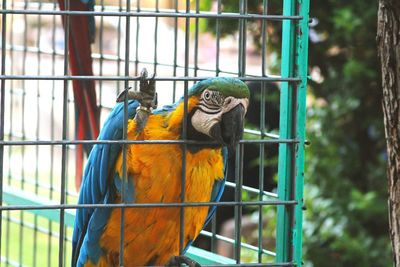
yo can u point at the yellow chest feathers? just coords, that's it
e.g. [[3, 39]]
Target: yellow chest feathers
[[157, 168]]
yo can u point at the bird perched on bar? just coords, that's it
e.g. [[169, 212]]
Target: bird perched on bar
[[87, 113], [216, 109]]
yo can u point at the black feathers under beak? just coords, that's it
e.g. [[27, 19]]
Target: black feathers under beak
[[230, 130]]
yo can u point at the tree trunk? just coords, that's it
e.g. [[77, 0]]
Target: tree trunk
[[388, 38]]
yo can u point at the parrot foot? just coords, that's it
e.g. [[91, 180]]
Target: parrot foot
[[147, 98], [178, 260]]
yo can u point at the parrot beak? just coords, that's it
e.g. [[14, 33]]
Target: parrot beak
[[230, 130]]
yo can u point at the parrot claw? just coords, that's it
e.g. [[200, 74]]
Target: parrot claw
[[147, 96], [178, 260]]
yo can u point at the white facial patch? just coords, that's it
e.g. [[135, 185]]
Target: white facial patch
[[211, 108]]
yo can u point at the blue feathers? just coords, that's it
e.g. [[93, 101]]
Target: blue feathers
[[218, 188], [97, 188]]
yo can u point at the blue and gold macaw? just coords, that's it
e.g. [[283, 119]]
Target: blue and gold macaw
[[216, 110]]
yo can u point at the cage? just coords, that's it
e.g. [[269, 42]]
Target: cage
[[263, 43]]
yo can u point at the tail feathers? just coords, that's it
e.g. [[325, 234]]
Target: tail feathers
[[87, 113]]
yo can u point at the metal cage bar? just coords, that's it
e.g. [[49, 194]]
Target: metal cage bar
[[291, 156], [2, 110], [301, 71]]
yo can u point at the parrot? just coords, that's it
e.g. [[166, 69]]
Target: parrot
[[87, 112], [216, 109]]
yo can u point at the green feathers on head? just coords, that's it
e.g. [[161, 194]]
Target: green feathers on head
[[227, 86]]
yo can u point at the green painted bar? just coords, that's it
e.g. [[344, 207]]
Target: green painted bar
[[301, 65], [285, 168], [205, 257], [292, 125], [15, 196]]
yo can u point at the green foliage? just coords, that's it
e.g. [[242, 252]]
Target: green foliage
[[346, 161], [346, 194], [229, 26]]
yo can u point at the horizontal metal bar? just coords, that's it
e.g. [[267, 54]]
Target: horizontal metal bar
[[18, 197], [269, 141], [259, 133], [140, 142], [30, 140], [252, 190], [149, 205], [113, 58], [151, 14], [232, 241], [255, 264], [133, 78]]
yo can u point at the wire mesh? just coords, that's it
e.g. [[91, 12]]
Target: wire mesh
[[38, 124]]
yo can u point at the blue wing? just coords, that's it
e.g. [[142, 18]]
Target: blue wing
[[218, 188], [98, 188]]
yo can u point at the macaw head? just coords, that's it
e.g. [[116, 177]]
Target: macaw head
[[219, 110]]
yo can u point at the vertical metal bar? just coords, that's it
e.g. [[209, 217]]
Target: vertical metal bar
[[11, 55], [175, 51], [137, 41], [3, 95], [285, 160], [35, 230], [25, 50], [64, 136], [239, 153], [218, 38], [214, 233], [261, 172], [125, 132], [101, 60], [262, 130], [242, 40], [22, 213], [10, 133], [52, 127], [2, 112], [119, 48], [217, 71], [264, 38], [238, 198], [184, 134], [301, 71], [156, 39], [196, 40], [124, 176]]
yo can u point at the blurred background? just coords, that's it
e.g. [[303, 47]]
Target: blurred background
[[345, 222]]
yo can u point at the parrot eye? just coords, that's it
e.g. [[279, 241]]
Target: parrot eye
[[207, 95], [214, 98]]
